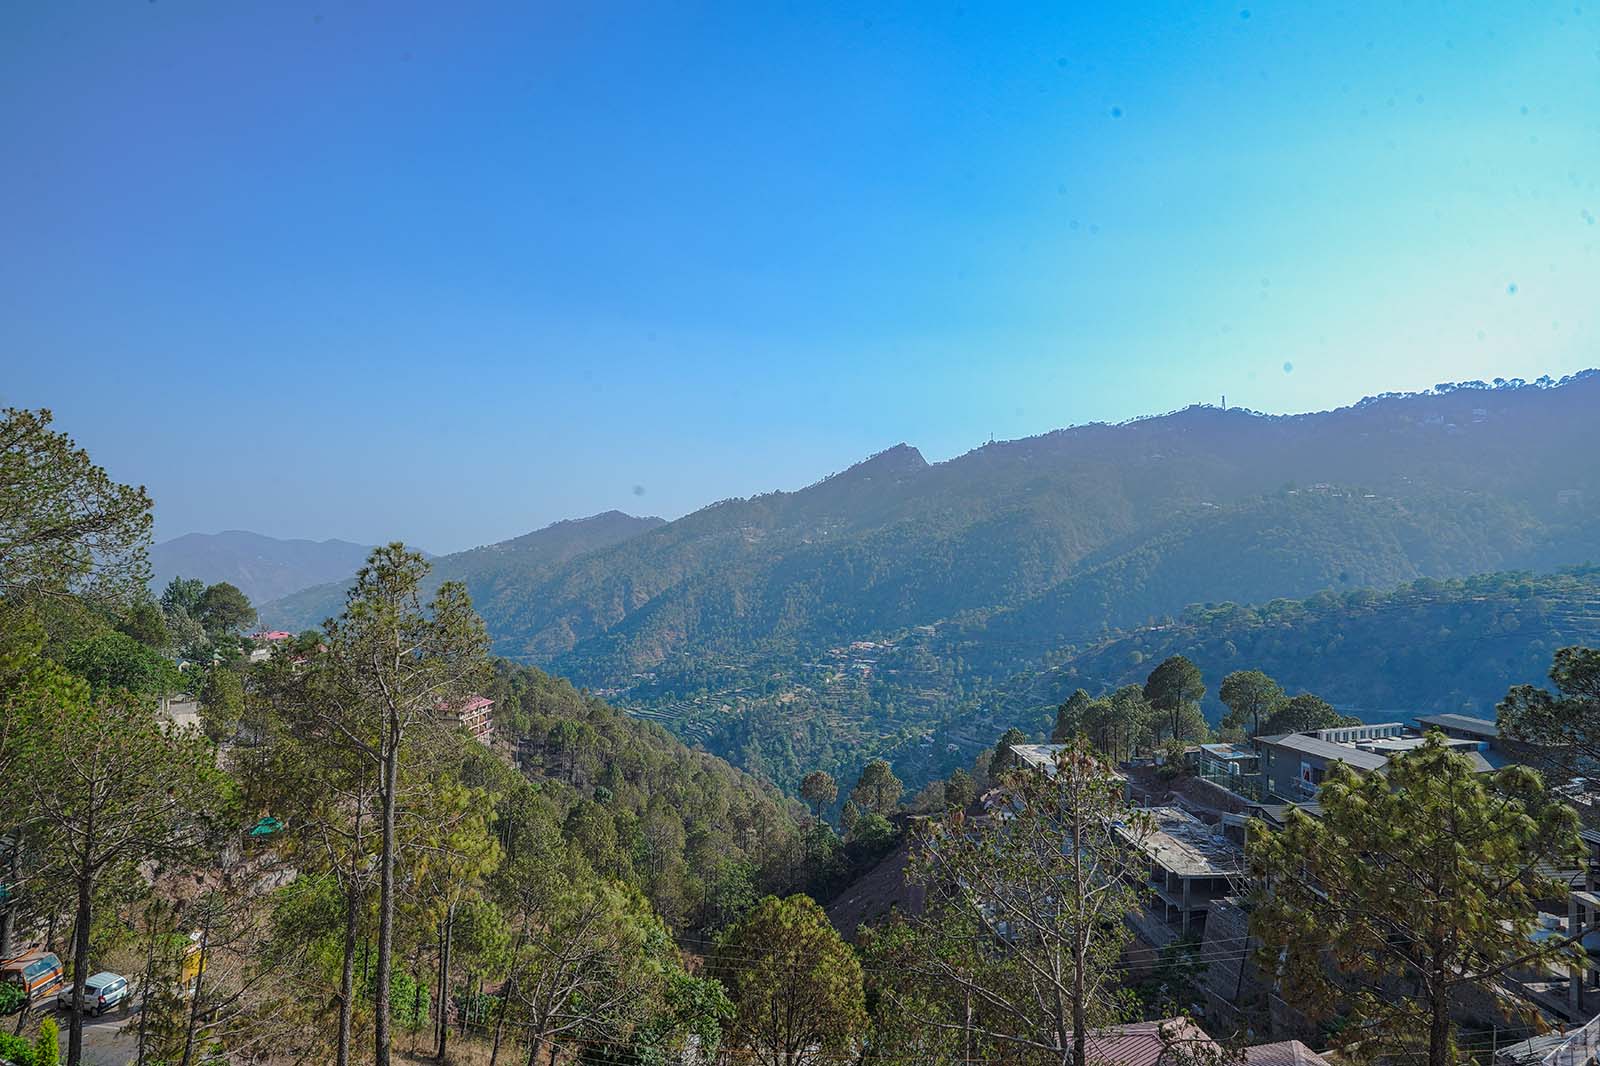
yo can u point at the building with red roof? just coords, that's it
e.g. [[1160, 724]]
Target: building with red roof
[[476, 715]]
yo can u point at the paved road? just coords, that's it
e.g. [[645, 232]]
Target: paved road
[[104, 1042]]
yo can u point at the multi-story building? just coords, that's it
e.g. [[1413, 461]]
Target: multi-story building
[[475, 715]]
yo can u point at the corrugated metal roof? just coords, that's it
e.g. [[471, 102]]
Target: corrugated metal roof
[[1149, 1043]]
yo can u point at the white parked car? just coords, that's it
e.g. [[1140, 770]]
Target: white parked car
[[101, 992]]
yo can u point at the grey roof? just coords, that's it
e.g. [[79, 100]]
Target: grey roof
[[1278, 813], [1185, 845], [1326, 749], [1229, 751], [1043, 757], [1464, 722]]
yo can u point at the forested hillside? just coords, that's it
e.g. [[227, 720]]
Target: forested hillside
[[1427, 646], [745, 625], [689, 830], [328, 858]]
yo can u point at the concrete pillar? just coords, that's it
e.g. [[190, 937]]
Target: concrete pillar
[[1576, 975], [1185, 906]]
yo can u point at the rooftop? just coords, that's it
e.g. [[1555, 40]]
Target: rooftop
[[1043, 757], [1483, 727], [1229, 751], [1187, 846], [473, 703], [1283, 1053], [1149, 1043], [1326, 749]]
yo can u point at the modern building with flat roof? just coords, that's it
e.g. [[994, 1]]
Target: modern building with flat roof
[[1294, 765]]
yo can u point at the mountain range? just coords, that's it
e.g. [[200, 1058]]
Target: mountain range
[[263, 568], [488, 570], [881, 609]]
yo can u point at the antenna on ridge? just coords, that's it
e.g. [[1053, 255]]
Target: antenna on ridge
[[1224, 401]]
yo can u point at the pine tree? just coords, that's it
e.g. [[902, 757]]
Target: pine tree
[[1429, 873]]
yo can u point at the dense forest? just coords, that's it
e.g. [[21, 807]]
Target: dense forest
[[320, 860]]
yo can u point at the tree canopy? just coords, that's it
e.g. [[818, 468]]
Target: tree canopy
[[1251, 698], [878, 790], [65, 525], [796, 987]]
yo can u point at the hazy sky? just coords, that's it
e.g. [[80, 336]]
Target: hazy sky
[[449, 272]]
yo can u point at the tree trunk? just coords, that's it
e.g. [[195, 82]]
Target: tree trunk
[[968, 1050], [506, 990], [80, 951], [347, 969], [1439, 1029], [380, 995], [8, 908], [1080, 949], [444, 983], [144, 993], [1080, 1020]]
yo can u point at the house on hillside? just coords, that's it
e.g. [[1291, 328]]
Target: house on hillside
[[1042, 757], [1293, 765], [1482, 733], [1230, 765], [475, 715]]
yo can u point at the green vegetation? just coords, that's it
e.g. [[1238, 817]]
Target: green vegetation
[[403, 864], [796, 987], [1427, 646], [1562, 729], [333, 869]]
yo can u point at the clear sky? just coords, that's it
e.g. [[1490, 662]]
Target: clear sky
[[449, 272]]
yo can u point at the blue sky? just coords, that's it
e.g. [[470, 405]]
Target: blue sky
[[450, 272]]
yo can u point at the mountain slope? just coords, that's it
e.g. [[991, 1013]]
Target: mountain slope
[[650, 810], [485, 570], [1426, 646], [745, 625], [263, 567], [896, 542]]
